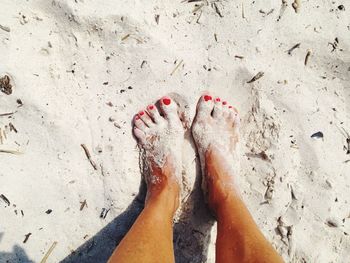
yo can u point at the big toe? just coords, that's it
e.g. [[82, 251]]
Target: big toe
[[205, 106], [169, 109]]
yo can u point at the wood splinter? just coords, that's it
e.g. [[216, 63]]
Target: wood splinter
[[49, 252], [256, 77], [308, 54], [292, 48], [87, 153]]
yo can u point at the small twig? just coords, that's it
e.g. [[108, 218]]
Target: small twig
[[256, 77], [5, 199], [27, 237], [243, 15], [308, 54], [12, 127], [6, 114], [104, 213], [87, 153], [49, 252], [83, 204], [125, 37], [178, 65], [5, 28], [156, 18], [217, 10], [293, 47], [10, 151]]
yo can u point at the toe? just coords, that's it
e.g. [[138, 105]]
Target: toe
[[146, 118], [205, 106], [225, 109], [139, 123], [140, 135], [169, 108], [217, 112], [153, 112], [234, 117]]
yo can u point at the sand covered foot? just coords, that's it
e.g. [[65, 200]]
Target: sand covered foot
[[160, 135], [215, 132]]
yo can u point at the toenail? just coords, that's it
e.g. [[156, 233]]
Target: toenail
[[207, 97], [217, 99], [224, 102], [150, 107], [141, 113], [166, 101], [230, 107], [137, 117]]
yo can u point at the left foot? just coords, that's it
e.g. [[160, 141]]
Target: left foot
[[160, 137]]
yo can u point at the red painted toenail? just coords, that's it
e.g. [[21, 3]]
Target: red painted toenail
[[141, 113], [224, 102], [166, 101], [137, 117], [217, 99], [150, 107], [230, 107], [207, 97]]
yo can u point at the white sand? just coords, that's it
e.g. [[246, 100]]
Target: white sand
[[69, 59]]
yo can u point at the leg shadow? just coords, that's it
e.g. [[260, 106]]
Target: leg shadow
[[16, 255], [192, 230], [100, 247]]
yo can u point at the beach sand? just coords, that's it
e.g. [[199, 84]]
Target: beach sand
[[81, 69]]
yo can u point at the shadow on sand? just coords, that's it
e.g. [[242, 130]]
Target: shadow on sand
[[16, 255], [191, 231]]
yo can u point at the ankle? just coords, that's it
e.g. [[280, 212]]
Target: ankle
[[166, 196], [220, 182]]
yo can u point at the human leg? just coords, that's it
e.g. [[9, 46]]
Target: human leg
[[160, 138], [215, 131]]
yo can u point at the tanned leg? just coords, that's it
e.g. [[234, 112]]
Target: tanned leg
[[150, 240], [215, 131]]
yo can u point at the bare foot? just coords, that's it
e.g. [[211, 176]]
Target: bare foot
[[215, 132], [160, 137]]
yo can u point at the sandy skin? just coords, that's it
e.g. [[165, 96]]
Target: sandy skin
[[161, 137]]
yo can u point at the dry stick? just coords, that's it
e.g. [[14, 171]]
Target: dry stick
[[12, 127], [125, 37], [217, 10], [5, 28], [83, 204], [178, 65], [26, 237], [5, 199], [49, 252], [87, 153], [10, 151], [308, 54], [256, 77], [6, 114], [294, 47], [243, 15]]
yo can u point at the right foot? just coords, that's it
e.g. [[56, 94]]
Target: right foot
[[215, 132]]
